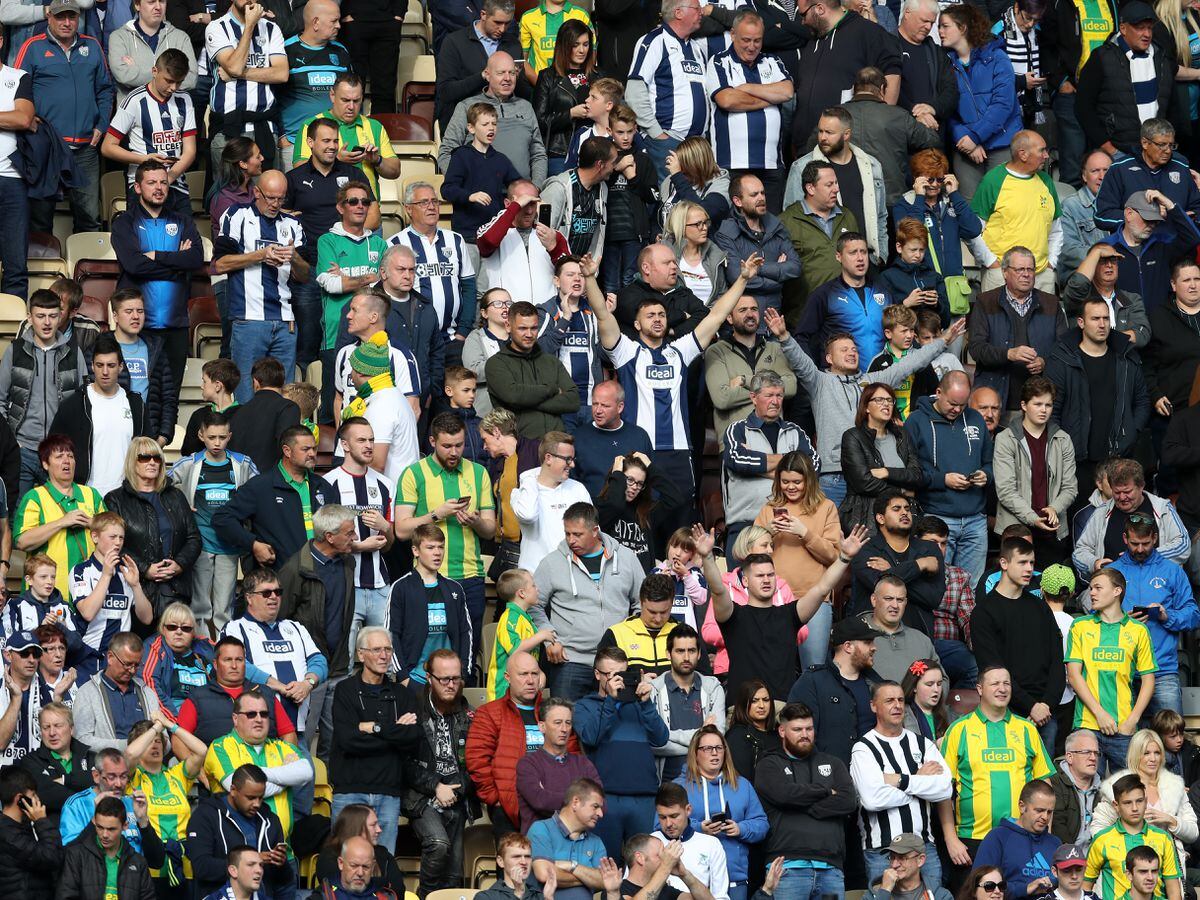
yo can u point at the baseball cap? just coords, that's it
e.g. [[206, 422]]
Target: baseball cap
[[903, 844], [1056, 579], [1136, 11], [22, 640], [62, 6], [852, 628], [1069, 855], [1145, 208]]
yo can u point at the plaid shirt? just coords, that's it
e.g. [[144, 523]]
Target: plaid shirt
[[952, 620]]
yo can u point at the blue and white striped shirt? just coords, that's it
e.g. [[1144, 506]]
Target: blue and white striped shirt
[[241, 95], [673, 72], [751, 139], [441, 265], [151, 125], [655, 383], [259, 293]]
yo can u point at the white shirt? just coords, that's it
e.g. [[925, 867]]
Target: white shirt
[[112, 432], [15, 85], [540, 511], [704, 857], [394, 424]]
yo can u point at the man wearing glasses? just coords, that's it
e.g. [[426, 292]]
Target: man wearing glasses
[[1156, 167], [1076, 787], [112, 702], [543, 495]]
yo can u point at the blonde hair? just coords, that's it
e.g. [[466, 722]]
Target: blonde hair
[[677, 221], [1142, 739], [177, 614], [749, 536], [145, 445], [1172, 14], [696, 161]]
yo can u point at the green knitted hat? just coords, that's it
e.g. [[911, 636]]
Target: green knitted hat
[[372, 357], [1056, 579]]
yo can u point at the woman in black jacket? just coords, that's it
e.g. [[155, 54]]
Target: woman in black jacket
[[62, 766], [635, 507], [876, 456], [560, 95], [160, 530], [752, 730]]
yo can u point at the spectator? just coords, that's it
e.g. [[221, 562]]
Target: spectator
[[633, 194], [651, 862], [988, 118], [380, 402], [567, 331], [686, 700], [642, 637], [21, 698], [517, 590], [1080, 232], [17, 107], [815, 221], [86, 862], [1076, 787], [924, 692], [986, 402], [530, 382], [852, 303], [1170, 356], [518, 251], [543, 495], [566, 846], [315, 59], [905, 871], [974, 748], [561, 65], [1021, 847], [357, 820], [147, 367], [60, 751], [41, 602], [1156, 233], [110, 776], [30, 837], [53, 666], [877, 456], [914, 278], [477, 173], [751, 230], [464, 53], [366, 315], [114, 700], [637, 506], [578, 198], [896, 646], [258, 426], [245, 870], [928, 86], [74, 92], [545, 775], [1109, 854], [752, 728], [1098, 274], [485, 342], [514, 863], [1178, 452], [1112, 124], [1149, 168], [703, 851], [698, 277], [175, 661], [693, 175]]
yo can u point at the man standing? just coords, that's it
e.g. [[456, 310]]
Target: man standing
[[1021, 847], [531, 383], [849, 304], [365, 316], [464, 54], [22, 698], [362, 141], [1080, 231], [897, 645], [73, 91], [1097, 274], [258, 247], [606, 437], [748, 91], [258, 426], [955, 450], [519, 252], [543, 495], [381, 402], [1173, 354], [315, 58], [750, 230], [578, 198], [1076, 787], [1156, 232], [815, 220], [16, 115], [928, 86]]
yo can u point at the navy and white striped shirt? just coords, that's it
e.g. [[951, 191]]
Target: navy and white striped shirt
[[655, 383], [241, 95], [673, 72], [361, 493], [115, 612], [441, 263], [259, 293], [150, 125], [281, 648], [750, 139]]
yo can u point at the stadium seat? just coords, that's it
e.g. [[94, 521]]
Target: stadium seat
[[97, 310], [189, 391], [327, 435], [89, 245], [204, 322], [112, 189], [475, 696], [488, 642], [173, 451], [45, 253], [404, 128], [12, 314], [322, 789], [963, 701], [452, 894], [479, 853]]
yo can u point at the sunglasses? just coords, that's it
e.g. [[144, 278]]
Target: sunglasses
[[255, 714], [990, 887], [35, 652], [173, 626], [149, 457], [267, 592], [357, 201]]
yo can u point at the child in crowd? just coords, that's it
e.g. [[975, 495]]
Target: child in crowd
[[912, 276], [85, 330], [106, 588], [42, 602], [219, 378], [929, 327], [478, 175], [691, 589], [632, 202], [308, 398], [209, 478], [604, 95], [899, 329], [461, 385], [1183, 756], [515, 633]]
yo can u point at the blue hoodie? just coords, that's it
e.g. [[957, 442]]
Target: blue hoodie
[[618, 738], [836, 306], [944, 446], [744, 808], [988, 112], [1020, 855], [1158, 580]]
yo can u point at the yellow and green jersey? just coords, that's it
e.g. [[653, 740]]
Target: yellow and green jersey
[[514, 627], [539, 31], [226, 754], [990, 762], [1111, 654], [69, 546], [1095, 26], [359, 133], [167, 803], [1019, 210], [1106, 858], [425, 486]]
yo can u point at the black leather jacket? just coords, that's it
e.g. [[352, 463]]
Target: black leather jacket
[[144, 543], [553, 97], [859, 457]]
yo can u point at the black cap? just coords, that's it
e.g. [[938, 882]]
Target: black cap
[[852, 628], [1136, 11]]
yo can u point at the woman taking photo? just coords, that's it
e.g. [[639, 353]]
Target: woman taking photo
[[715, 790], [701, 261], [160, 530], [62, 766], [693, 174], [925, 712], [804, 523], [876, 456], [561, 92], [634, 504], [988, 115], [485, 341], [359, 820], [753, 731]]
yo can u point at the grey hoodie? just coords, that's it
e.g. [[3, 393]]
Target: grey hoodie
[[579, 609], [127, 42], [43, 393]]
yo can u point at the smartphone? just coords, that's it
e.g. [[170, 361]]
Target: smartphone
[[630, 679], [1142, 611], [357, 149], [465, 501], [719, 817], [544, 214]]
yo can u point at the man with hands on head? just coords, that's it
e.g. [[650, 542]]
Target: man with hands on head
[[518, 252], [1097, 274], [110, 774], [1155, 232]]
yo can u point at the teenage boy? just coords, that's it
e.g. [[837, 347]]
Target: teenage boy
[[107, 587], [478, 175], [632, 198], [209, 478], [42, 603], [1106, 651], [1111, 847], [603, 97], [899, 329], [515, 632], [461, 387], [147, 370], [1143, 867], [219, 378]]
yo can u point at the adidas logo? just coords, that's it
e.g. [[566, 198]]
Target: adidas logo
[[1036, 867]]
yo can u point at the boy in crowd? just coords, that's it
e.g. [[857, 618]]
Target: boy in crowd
[[929, 328], [461, 387], [478, 175], [106, 588], [219, 378], [899, 329], [603, 97], [632, 199], [515, 633], [308, 398], [42, 603], [1110, 848], [912, 278]]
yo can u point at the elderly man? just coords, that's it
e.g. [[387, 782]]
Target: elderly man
[[749, 90], [464, 54], [928, 86], [1156, 232], [1097, 275], [110, 778], [1076, 787], [666, 86], [1078, 223], [1154, 167], [1018, 205], [1013, 330], [518, 135], [750, 229], [518, 251], [113, 701], [356, 871], [986, 401]]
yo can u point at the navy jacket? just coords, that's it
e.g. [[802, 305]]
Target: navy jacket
[[165, 281], [470, 171], [1148, 273], [75, 93], [425, 339], [45, 163], [618, 738], [902, 278], [212, 833], [595, 449], [408, 620], [963, 446], [266, 509], [739, 242], [834, 709], [1130, 173]]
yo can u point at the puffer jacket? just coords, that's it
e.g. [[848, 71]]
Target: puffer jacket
[[30, 856], [988, 112], [1105, 103], [950, 221], [144, 543], [860, 455], [534, 386], [995, 328], [739, 242], [84, 871], [1014, 477], [304, 601], [34, 382]]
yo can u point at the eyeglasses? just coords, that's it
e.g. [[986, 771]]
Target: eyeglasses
[[1164, 145], [387, 649], [267, 592], [703, 225], [149, 457], [127, 664], [446, 680], [431, 201], [272, 198], [1088, 753], [35, 652], [711, 748], [569, 460], [990, 887], [357, 201], [1139, 519], [176, 626], [635, 482], [501, 304], [255, 714], [885, 400]]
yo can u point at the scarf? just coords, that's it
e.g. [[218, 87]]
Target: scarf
[[358, 406]]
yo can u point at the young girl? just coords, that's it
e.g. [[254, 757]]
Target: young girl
[[691, 589], [924, 695]]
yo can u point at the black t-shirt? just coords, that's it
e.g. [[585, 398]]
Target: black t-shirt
[[1114, 532], [770, 431], [761, 642], [629, 889], [862, 702], [850, 190], [916, 79], [593, 563], [1101, 374], [585, 216]]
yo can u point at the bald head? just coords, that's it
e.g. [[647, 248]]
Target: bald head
[[501, 75], [524, 678], [320, 10], [356, 863], [986, 402], [952, 393], [273, 181]]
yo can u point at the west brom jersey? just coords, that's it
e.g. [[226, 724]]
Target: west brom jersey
[[240, 95], [575, 341], [441, 263], [259, 293], [673, 71], [404, 373], [311, 74], [151, 125], [655, 383], [114, 612], [744, 140], [26, 736], [370, 490], [281, 649]]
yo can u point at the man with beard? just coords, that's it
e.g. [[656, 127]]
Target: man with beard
[[750, 229], [991, 753], [849, 304], [808, 797], [686, 699], [894, 551]]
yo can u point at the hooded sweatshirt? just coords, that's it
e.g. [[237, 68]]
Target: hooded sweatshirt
[[46, 386], [1020, 855], [1159, 580], [540, 511], [619, 739], [961, 445]]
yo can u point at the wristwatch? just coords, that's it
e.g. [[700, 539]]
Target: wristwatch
[[574, 865], [376, 728]]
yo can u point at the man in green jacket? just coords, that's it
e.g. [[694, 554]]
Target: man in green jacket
[[814, 223]]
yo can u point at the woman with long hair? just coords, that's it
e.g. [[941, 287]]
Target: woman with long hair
[[635, 504], [723, 805], [693, 174], [753, 731], [876, 456], [359, 820], [701, 261], [984, 883], [485, 341], [988, 115], [1180, 20], [807, 532], [241, 163], [925, 699], [561, 92]]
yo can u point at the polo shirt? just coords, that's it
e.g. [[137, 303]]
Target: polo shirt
[[312, 197], [425, 486], [359, 133], [551, 841], [1106, 857], [1111, 654], [125, 706]]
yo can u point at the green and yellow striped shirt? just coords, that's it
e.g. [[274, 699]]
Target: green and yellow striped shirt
[[1106, 857], [1111, 654], [226, 754], [425, 486], [70, 546]]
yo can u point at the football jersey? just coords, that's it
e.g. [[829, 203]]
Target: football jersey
[[442, 262], [150, 125], [240, 95], [405, 374], [1111, 655], [655, 383], [115, 610], [673, 72], [371, 490], [258, 293], [311, 74], [281, 648], [749, 139]]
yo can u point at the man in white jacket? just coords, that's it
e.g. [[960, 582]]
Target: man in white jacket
[[542, 496]]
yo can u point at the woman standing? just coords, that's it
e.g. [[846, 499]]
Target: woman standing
[[693, 174], [877, 456], [805, 525], [753, 731], [484, 342], [935, 199], [924, 693], [701, 261], [160, 530], [561, 92], [988, 115]]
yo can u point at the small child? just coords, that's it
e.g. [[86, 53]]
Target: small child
[[219, 378], [929, 328], [912, 276], [603, 96], [478, 175], [632, 200], [42, 603], [209, 478], [1058, 587], [460, 388], [308, 398], [1183, 756], [518, 592], [691, 589], [107, 587], [899, 329]]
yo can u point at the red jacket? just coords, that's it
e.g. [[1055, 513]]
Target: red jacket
[[495, 743]]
